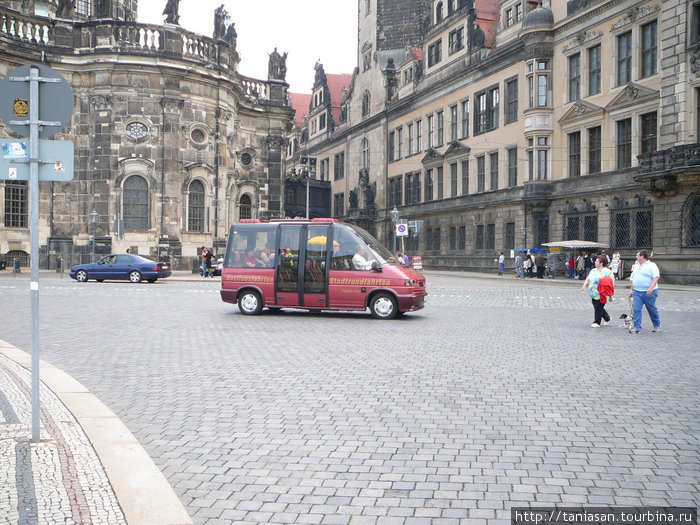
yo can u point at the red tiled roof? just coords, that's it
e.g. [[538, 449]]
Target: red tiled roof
[[336, 83], [300, 103]]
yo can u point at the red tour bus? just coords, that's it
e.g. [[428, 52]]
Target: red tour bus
[[315, 265]]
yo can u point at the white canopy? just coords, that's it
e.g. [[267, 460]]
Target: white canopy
[[576, 244]]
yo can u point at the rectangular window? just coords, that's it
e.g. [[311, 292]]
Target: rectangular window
[[395, 186], [440, 183], [465, 177], [339, 166], [509, 243], [455, 40], [575, 154], [490, 237], [574, 77], [493, 166], [434, 53], [624, 143], [518, 12], [399, 143], [542, 90], [411, 145], [486, 110], [412, 188], [512, 167], [453, 238], [429, 239], [16, 204], [624, 58], [453, 180], [436, 239], [339, 204], [453, 123], [595, 144], [431, 131], [511, 100], [542, 164], [530, 165], [465, 119], [594, 70], [590, 228], [419, 136], [648, 133], [462, 238], [480, 173], [440, 128], [479, 237], [429, 183], [392, 146], [649, 49]]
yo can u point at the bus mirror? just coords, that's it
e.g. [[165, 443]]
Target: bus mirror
[[376, 267]]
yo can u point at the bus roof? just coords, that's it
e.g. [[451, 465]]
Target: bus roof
[[274, 221]]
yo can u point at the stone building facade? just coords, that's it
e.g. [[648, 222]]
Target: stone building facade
[[172, 144], [505, 124]]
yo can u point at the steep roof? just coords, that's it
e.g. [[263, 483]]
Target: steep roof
[[336, 83], [300, 103]]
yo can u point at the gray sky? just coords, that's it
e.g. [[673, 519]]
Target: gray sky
[[307, 29]]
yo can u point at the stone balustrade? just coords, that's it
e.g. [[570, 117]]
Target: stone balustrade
[[25, 29], [677, 157]]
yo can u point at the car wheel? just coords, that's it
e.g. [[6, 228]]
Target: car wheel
[[81, 276], [99, 280], [383, 306], [249, 302], [135, 276], [152, 280]]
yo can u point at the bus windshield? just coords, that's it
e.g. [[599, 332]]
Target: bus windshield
[[377, 250]]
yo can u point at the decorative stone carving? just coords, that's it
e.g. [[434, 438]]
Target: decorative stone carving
[[694, 57], [171, 12], [633, 14], [101, 101], [172, 105], [581, 38]]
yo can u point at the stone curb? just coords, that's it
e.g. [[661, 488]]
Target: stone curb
[[145, 496]]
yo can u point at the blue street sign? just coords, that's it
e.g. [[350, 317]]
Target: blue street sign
[[56, 162]]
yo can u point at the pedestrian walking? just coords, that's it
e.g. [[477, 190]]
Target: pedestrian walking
[[581, 265], [501, 264], [518, 266], [203, 261], [593, 283], [645, 290], [527, 266], [572, 266], [541, 263]]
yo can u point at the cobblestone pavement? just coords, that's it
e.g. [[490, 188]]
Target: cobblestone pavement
[[57, 480], [497, 394]]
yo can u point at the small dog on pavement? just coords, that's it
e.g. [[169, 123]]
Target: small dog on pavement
[[628, 317]]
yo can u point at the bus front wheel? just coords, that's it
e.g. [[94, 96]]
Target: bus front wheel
[[249, 302], [383, 306]]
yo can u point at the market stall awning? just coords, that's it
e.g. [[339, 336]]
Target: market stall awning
[[576, 244]]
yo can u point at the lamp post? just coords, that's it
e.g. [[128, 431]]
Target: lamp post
[[93, 226], [394, 214]]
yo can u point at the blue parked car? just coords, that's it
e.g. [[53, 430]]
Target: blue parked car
[[122, 267]]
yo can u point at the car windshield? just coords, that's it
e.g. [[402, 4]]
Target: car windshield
[[376, 250]]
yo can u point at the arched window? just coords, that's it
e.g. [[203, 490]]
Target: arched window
[[438, 12], [196, 211], [365, 103], [691, 221], [365, 153], [246, 208], [136, 209]]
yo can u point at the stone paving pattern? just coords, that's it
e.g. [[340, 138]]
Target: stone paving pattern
[[497, 394], [58, 480]]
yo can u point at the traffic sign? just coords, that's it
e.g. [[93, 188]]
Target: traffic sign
[[416, 225], [55, 101], [56, 162], [402, 230]]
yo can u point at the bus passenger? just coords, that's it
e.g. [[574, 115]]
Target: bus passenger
[[250, 259], [358, 260]]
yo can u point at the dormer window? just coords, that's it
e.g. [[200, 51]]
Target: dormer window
[[438, 13]]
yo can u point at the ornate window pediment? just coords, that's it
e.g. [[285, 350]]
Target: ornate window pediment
[[631, 95], [456, 149], [580, 110], [432, 157]]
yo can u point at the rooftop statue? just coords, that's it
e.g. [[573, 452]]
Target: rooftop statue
[[65, 8], [277, 66], [171, 12], [220, 15]]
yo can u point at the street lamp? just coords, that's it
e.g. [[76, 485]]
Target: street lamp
[[94, 217], [394, 214]]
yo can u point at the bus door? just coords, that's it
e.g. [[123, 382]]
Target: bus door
[[288, 265], [315, 268]]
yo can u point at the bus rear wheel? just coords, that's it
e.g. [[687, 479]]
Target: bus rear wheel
[[383, 306], [249, 302]]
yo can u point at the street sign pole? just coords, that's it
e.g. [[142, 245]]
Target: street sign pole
[[34, 246]]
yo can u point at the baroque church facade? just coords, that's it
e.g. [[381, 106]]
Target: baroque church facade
[[506, 124], [172, 144]]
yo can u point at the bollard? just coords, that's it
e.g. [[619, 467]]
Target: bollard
[[59, 265], [15, 266]]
